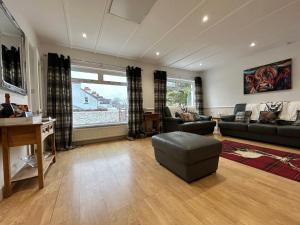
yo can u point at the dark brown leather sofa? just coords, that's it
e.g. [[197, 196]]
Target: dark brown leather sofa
[[204, 126]]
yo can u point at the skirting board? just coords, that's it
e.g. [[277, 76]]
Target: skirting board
[[93, 141]]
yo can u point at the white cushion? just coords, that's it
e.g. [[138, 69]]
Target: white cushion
[[255, 108], [288, 112], [284, 115], [292, 110]]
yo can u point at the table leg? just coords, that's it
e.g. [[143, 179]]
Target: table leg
[[6, 164], [158, 123], [53, 147], [32, 149], [40, 157]]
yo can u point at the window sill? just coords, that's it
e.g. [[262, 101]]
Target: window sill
[[99, 125]]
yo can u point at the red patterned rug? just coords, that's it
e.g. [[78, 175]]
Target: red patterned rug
[[281, 163]]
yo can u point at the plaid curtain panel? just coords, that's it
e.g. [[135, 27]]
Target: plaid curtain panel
[[135, 101], [199, 94], [160, 91], [59, 98]]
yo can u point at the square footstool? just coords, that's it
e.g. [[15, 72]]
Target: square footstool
[[189, 156]]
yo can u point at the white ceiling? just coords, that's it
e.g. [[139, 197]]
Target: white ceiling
[[172, 27]]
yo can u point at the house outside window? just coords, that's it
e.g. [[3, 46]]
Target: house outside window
[[104, 94], [180, 92], [86, 100]]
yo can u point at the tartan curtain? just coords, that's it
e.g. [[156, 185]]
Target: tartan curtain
[[199, 95], [59, 98], [135, 101], [160, 91], [11, 66]]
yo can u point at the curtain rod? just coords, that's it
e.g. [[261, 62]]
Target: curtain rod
[[96, 63]]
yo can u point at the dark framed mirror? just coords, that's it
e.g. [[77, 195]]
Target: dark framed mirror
[[12, 60]]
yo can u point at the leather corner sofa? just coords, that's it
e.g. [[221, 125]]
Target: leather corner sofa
[[171, 124], [288, 135]]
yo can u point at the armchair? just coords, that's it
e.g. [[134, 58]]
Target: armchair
[[202, 126]]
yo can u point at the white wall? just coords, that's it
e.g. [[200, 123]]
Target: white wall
[[147, 85], [19, 152], [223, 86]]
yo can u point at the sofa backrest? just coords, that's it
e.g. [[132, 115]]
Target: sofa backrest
[[289, 110], [174, 109], [239, 108], [167, 112]]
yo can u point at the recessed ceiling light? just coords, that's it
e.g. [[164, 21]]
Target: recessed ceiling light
[[84, 35], [200, 64], [157, 53], [204, 19], [252, 44]]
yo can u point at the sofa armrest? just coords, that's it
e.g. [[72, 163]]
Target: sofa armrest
[[170, 124], [229, 118], [173, 120]]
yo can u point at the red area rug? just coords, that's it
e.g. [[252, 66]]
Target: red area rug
[[281, 163]]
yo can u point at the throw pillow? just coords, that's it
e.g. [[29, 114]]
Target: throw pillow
[[297, 122], [268, 117], [195, 115], [273, 106], [248, 116], [240, 117], [198, 117], [187, 117], [243, 117], [177, 115]]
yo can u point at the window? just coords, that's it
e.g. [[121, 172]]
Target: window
[[180, 92], [99, 97], [86, 100], [114, 78]]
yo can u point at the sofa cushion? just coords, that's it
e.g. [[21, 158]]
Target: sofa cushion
[[234, 126], [267, 129], [267, 117], [187, 117], [291, 112], [289, 131], [174, 109], [243, 117], [255, 109]]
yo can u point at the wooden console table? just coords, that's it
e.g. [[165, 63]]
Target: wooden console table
[[27, 134], [154, 118]]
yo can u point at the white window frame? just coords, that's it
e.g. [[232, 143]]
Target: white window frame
[[193, 100], [100, 72]]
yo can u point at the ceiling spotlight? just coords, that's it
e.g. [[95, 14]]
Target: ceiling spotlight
[[252, 44], [157, 53], [84, 35], [205, 18], [200, 64]]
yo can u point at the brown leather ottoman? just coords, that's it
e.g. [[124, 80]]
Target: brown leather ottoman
[[189, 156]]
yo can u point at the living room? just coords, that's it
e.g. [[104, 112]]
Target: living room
[[150, 112]]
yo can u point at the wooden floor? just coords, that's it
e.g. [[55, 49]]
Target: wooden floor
[[121, 183]]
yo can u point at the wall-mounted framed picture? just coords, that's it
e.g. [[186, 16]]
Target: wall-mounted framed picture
[[271, 77]]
